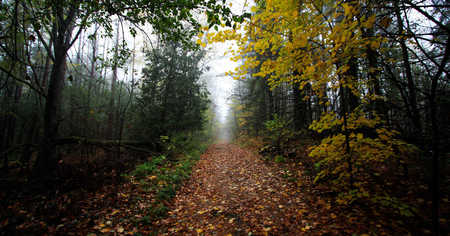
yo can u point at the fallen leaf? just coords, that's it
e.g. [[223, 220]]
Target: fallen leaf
[[202, 212], [105, 230], [115, 212]]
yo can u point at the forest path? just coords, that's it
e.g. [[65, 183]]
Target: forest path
[[233, 191]]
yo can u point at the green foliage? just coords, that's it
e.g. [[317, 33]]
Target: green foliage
[[146, 220], [279, 159], [173, 100], [159, 211], [148, 168], [278, 131], [395, 204], [162, 176]]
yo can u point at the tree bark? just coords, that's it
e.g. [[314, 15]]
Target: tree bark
[[62, 38], [300, 108], [46, 162], [435, 143], [111, 116], [412, 98]]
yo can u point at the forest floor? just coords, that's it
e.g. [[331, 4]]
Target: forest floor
[[231, 191]]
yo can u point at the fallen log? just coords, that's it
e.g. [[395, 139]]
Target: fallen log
[[128, 144]]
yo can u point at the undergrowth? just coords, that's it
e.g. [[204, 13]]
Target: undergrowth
[[163, 175]]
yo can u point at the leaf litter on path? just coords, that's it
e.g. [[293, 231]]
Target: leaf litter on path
[[233, 191]]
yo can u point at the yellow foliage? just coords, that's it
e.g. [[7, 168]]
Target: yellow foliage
[[290, 42]]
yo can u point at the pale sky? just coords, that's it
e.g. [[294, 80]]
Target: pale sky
[[219, 85]]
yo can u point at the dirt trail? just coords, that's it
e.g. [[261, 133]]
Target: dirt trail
[[233, 191]]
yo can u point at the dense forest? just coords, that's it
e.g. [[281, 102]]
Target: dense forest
[[105, 114]]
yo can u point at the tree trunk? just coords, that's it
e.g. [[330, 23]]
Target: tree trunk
[[111, 116], [299, 107], [435, 142], [26, 153], [62, 38], [47, 159], [412, 98], [91, 80], [376, 105]]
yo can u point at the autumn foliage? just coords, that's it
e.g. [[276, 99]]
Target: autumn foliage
[[330, 51]]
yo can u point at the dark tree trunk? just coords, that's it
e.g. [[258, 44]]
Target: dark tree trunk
[[349, 101], [271, 102], [62, 40], [300, 107], [435, 143], [412, 98], [27, 151], [376, 105], [111, 116], [46, 162]]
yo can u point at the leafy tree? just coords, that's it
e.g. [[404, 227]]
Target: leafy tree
[[355, 66], [173, 100], [58, 24]]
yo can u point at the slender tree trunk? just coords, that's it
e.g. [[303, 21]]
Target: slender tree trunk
[[26, 153], [349, 101], [91, 81], [300, 109], [376, 105], [412, 98], [271, 102], [435, 143], [111, 115]]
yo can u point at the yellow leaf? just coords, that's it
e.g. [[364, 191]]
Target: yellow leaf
[[369, 22], [115, 212], [347, 9], [302, 41], [359, 136], [306, 228], [199, 230], [374, 44], [201, 212], [302, 211]]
